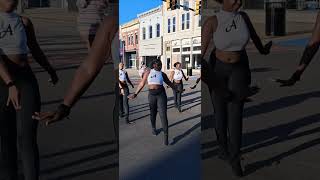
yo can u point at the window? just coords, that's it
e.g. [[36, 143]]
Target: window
[[186, 5], [174, 24], [169, 24], [197, 48], [188, 21], [186, 49], [132, 40], [128, 40], [158, 30], [176, 50], [143, 33], [199, 21], [150, 32], [182, 21], [168, 48], [136, 38]]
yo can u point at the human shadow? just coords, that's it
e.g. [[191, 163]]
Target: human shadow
[[181, 136], [251, 168], [85, 172], [281, 103], [80, 161], [267, 137], [77, 149], [263, 69]]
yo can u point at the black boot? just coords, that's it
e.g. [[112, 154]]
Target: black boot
[[236, 168], [166, 139]]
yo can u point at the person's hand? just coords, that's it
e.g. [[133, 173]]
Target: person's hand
[[132, 86], [291, 81], [187, 78], [132, 96], [53, 78], [267, 47], [13, 97], [52, 116], [121, 91]]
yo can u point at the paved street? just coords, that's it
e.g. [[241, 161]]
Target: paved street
[[280, 128], [83, 147], [145, 157]]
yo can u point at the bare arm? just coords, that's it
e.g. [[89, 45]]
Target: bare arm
[[92, 65], [171, 76], [13, 96], [208, 29], [143, 81], [4, 74]]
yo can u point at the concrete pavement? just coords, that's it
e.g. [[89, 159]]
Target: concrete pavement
[[281, 126], [145, 157]]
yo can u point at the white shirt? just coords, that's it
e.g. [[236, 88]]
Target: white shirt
[[177, 74], [155, 77], [122, 75]]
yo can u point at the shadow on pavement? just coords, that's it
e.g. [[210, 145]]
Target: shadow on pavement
[[82, 148], [270, 136], [80, 161], [281, 103], [85, 172]]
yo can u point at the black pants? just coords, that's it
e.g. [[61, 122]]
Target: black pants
[[18, 126], [229, 112], [177, 95], [158, 103], [124, 103]]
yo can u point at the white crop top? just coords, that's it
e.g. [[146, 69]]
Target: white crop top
[[177, 74], [232, 33], [155, 77], [13, 37], [122, 75]]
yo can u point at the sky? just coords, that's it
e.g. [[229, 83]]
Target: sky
[[130, 8]]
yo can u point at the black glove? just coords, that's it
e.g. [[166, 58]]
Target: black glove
[[291, 81], [63, 111], [53, 77], [266, 48]]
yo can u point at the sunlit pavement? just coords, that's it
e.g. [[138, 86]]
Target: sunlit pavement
[[144, 156], [281, 128]]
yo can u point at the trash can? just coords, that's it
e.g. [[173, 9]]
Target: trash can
[[275, 17], [189, 71]]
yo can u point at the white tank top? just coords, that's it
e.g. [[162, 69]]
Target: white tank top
[[122, 75], [13, 37], [155, 77], [232, 33], [177, 74]]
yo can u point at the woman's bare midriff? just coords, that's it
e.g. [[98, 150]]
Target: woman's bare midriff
[[19, 59], [177, 81], [228, 57], [154, 86]]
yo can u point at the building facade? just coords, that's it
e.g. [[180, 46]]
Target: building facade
[[130, 41], [181, 36], [151, 34]]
